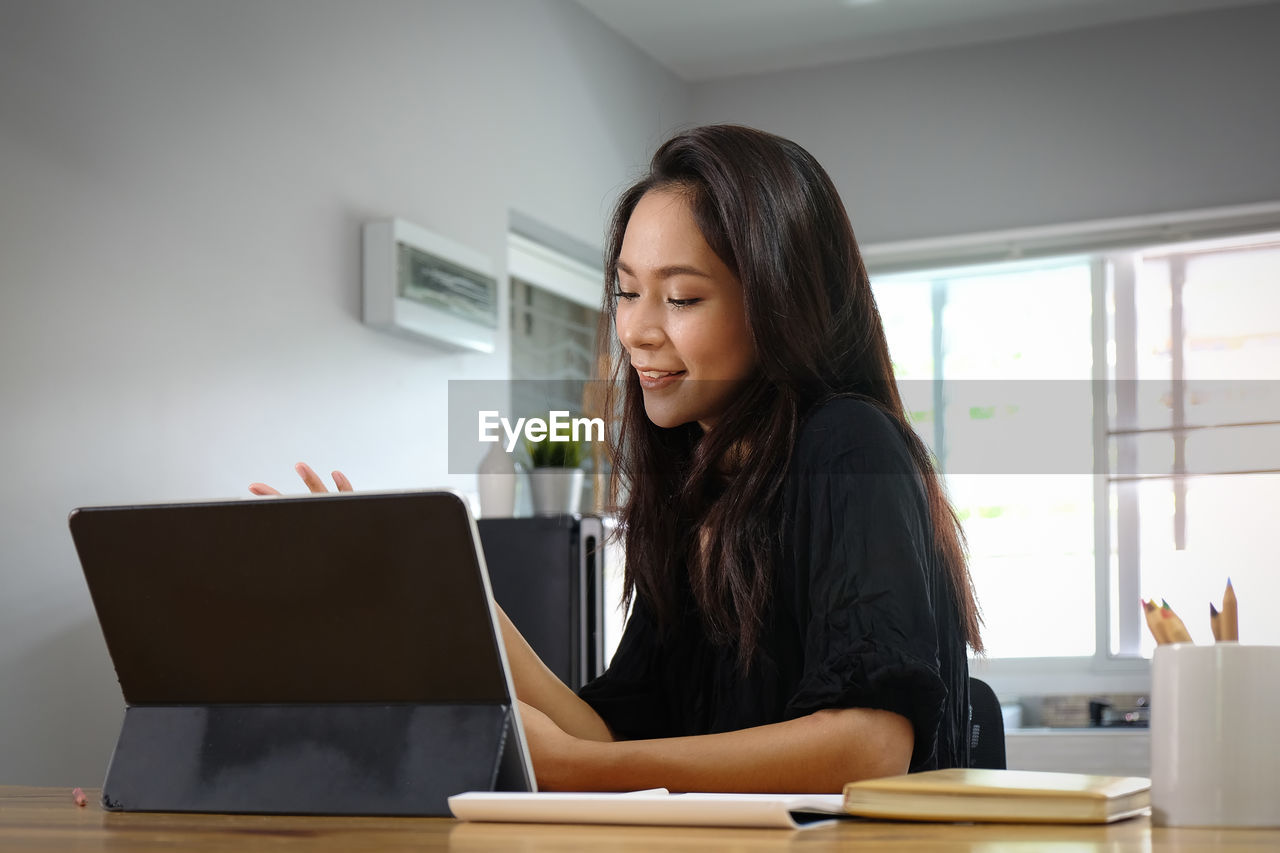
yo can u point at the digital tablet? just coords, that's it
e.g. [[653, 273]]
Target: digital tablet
[[349, 633]]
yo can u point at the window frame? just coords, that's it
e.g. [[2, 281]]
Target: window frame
[[1111, 247]]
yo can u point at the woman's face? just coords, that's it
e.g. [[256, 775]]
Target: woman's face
[[680, 315]]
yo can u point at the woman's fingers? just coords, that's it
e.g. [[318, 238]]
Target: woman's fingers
[[310, 478]]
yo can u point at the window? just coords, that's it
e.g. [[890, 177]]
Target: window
[[1195, 435], [1108, 427], [555, 308], [975, 351]]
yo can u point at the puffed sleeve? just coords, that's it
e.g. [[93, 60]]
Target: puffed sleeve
[[630, 695], [866, 574]]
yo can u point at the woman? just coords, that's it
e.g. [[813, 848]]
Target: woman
[[800, 599]]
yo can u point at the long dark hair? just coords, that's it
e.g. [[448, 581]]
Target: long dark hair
[[772, 215]]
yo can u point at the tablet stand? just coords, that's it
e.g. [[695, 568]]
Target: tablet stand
[[311, 758]]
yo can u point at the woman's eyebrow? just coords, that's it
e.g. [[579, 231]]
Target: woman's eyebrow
[[667, 271]]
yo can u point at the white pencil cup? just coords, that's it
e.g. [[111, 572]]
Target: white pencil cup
[[1215, 714]]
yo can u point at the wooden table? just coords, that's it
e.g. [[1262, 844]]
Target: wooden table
[[47, 819]]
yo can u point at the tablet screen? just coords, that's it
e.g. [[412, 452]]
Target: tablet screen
[[354, 597]]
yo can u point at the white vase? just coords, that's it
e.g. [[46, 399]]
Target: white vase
[[556, 490], [496, 483]]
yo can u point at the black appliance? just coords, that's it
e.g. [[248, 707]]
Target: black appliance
[[547, 573]]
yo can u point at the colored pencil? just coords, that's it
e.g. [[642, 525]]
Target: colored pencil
[[1177, 630], [1230, 616], [1154, 623]]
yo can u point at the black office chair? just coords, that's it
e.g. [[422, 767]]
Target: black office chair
[[986, 727]]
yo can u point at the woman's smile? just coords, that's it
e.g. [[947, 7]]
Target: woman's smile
[[654, 380]]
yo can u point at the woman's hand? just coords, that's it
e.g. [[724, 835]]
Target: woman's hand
[[310, 478]]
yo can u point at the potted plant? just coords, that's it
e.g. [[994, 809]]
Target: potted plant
[[555, 476]]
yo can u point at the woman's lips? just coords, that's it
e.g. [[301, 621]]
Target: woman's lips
[[652, 380]]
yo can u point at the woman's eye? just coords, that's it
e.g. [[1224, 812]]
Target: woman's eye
[[623, 294], [683, 303]]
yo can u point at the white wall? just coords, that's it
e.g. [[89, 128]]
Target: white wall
[[181, 192], [1166, 115]]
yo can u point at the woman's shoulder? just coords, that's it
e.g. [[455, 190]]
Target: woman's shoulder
[[852, 433]]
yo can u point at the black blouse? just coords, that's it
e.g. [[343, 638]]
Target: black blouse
[[862, 615]]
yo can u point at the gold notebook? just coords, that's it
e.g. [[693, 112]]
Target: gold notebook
[[1002, 796]]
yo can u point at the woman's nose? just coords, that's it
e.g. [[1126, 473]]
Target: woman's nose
[[637, 326]]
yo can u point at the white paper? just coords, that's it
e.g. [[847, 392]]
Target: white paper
[[782, 811]]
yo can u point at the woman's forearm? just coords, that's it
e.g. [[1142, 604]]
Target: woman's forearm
[[537, 685], [816, 753]]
